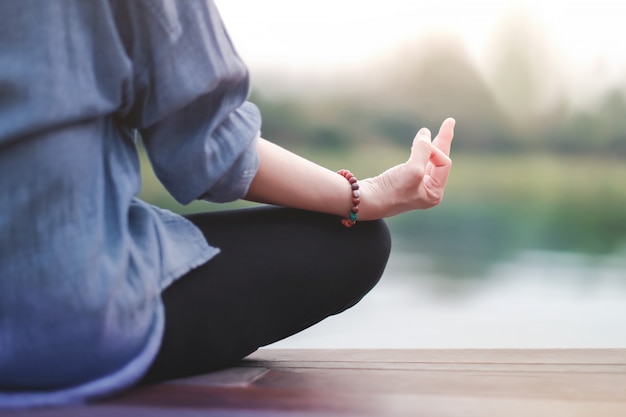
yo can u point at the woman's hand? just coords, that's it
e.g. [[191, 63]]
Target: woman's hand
[[419, 183], [286, 179]]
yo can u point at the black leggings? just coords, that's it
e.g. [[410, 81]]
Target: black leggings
[[279, 271]]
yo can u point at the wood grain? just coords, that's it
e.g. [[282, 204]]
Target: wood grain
[[393, 383]]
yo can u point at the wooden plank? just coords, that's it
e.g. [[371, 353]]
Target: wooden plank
[[445, 366], [465, 406], [456, 356], [233, 377], [127, 411], [390, 383], [556, 374], [262, 397], [392, 406], [480, 384]]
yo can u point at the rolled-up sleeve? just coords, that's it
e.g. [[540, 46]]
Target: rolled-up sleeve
[[187, 98]]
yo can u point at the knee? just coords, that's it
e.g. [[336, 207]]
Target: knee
[[374, 245], [367, 259], [380, 238]]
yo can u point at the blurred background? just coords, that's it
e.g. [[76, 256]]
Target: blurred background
[[528, 248]]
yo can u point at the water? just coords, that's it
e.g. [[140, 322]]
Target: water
[[536, 299]]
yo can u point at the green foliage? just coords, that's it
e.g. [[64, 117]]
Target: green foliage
[[513, 106], [602, 131], [498, 205]]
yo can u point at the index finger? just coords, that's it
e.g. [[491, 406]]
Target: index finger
[[443, 140], [421, 149]]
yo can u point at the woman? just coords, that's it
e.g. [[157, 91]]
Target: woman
[[99, 290]]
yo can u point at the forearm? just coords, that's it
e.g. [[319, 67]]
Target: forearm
[[287, 179]]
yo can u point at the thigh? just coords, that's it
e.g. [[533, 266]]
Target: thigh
[[279, 271]]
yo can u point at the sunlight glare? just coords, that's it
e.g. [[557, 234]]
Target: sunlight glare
[[318, 37]]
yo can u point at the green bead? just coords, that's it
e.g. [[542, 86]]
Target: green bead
[[353, 217]]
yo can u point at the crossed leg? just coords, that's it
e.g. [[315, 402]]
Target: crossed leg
[[280, 271]]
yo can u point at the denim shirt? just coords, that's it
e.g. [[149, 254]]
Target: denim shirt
[[82, 261]]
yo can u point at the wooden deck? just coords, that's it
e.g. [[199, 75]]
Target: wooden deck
[[388, 383]]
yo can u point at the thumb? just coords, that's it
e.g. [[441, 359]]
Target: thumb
[[421, 149]]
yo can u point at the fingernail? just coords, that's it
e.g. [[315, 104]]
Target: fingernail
[[423, 131]]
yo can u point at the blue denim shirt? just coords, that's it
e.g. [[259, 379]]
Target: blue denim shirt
[[82, 261]]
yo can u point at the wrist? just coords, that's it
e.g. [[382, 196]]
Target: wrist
[[369, 209]]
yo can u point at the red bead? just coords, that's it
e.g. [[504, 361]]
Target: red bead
[[347, 222], [351, 220], [345, 173]]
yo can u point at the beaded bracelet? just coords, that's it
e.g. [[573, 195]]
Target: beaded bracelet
[[356, 200]]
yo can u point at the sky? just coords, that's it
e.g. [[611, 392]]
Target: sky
[[316, 37]]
